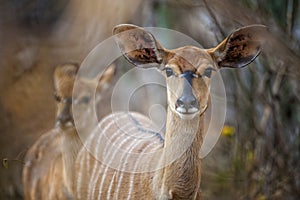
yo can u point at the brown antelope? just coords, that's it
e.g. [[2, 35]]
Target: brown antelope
[[47, 173], [118, 160]]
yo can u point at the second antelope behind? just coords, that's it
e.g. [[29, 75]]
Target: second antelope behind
[[127, 157], [49, 163]]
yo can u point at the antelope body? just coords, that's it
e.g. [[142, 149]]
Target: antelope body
[[125, 156], [47, 173]]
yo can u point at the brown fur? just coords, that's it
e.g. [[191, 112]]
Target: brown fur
[[42, 178], [28, 56], [47, 173], [179, 179]]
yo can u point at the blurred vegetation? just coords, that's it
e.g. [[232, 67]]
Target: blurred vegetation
[[258, 155]]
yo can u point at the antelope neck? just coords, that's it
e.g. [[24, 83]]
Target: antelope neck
[[181, 179], [71, 146]]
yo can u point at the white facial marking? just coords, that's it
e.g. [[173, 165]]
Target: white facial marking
[[190, 110], [193, 110], [187, 116], [181, 110], [69, 124]]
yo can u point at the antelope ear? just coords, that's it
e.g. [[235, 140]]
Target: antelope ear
[[107, 77], [241, 47], [138, 46]]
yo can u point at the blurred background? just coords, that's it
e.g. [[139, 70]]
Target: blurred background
[[258, 154]]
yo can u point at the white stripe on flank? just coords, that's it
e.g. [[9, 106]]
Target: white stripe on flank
[[112, 137], [102, 132], [80, 172], [91, 186], [128, 151], [117, 147], [88, 165], [110, 186], [131, 180], [107, 153], [83, 154], [123, 141]]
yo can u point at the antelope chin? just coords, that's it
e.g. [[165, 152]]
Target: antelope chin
[[66, 125], [69, 124], [187, 116]]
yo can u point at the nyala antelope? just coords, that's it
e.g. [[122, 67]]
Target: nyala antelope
[[49, 163], [111, 167]]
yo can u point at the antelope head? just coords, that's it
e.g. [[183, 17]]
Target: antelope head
[[64, 78], [188, 70]]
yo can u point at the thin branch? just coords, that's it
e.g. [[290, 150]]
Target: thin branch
[[211, 13]]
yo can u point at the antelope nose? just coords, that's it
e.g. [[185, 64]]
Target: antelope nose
[[187, 104], [64, 118]]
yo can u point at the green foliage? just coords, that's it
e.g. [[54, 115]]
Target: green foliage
[[162, 15]]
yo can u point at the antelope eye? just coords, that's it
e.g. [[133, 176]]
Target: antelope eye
[[169, 71], [57, 98], [208, 71]]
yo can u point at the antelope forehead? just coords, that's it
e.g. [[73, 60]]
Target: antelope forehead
[[204, 65], [64, 91], [191, 58], [198, 65]]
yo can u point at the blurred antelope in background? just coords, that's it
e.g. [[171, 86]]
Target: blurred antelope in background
[[37, 35], [123, 143], [47, 173]]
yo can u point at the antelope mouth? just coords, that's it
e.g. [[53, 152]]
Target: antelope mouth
[[187, 114], [67, 124]]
